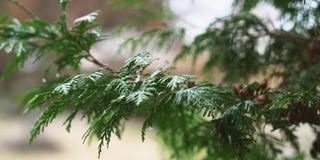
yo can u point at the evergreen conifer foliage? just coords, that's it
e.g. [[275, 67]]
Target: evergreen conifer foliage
[[193, 118]]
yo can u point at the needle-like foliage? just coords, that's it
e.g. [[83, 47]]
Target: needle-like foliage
[[193, 118]]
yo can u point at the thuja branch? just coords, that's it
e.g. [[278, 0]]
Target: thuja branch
[[21, 6]]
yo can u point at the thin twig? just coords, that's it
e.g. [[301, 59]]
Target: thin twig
[[92, 59], [189, 23], [21, 6]]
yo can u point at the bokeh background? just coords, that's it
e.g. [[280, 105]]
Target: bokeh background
[[55, 142]]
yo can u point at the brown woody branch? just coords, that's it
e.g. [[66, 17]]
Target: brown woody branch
[[291, 35], [93, 60]]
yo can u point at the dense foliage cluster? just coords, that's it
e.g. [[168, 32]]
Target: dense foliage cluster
[[194, 119]]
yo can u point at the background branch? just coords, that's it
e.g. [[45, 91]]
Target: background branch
[[294, 36], [21, 6]]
